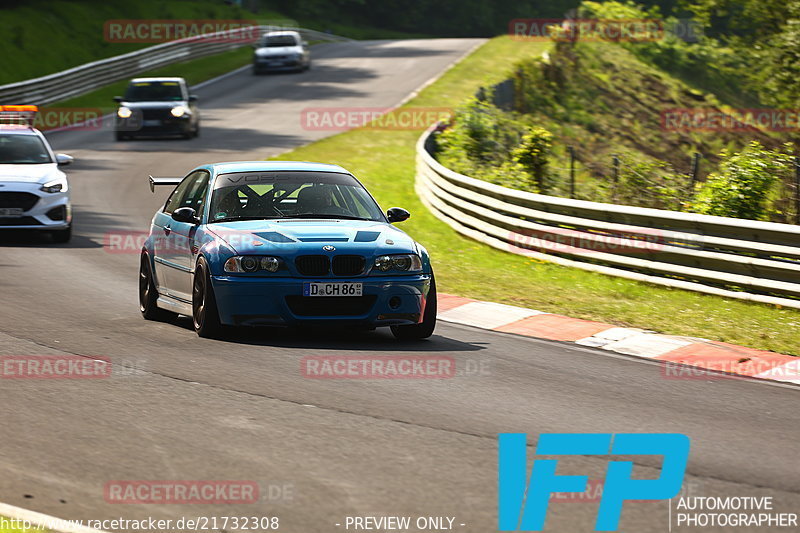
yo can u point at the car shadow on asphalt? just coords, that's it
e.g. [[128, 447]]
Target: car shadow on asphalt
[[41, 239], [337, 338]]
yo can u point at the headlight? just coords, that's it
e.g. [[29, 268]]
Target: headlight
[[403, 263], [252, 263], [383, 263], [124, 112], [270, 264], [59, 185], [178, 111]]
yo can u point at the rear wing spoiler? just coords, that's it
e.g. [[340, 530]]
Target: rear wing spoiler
[[163, 181]]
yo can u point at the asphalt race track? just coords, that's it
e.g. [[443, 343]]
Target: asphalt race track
[[178, 407]]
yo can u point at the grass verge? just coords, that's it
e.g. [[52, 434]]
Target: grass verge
[[194, 71], [384, 161], [8, 525]]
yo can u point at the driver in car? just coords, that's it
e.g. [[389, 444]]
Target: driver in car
[[318, 200]]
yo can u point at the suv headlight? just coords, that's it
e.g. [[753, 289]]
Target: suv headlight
[[178, 111], [124, 112], [59, 185], [252, 263], [399, 262]]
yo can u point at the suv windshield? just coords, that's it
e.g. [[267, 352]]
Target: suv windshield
[[279, 40], [266, 195], [154, 91], [23, 150]]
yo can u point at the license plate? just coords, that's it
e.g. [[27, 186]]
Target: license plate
[[275, 63], [11, 212], [147, 123], [332, 289]]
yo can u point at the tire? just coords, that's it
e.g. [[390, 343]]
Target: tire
[[205, 315], [424, 329], [120, 136], [62, 236], [148, 294], [196, 131]]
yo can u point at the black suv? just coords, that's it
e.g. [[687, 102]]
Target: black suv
[[157, 107]]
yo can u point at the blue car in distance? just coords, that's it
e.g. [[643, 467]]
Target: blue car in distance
[[283, 243]]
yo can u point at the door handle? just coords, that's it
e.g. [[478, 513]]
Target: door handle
[[167, 230]]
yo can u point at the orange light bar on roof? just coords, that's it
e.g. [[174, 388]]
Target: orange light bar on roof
[[20, 108]]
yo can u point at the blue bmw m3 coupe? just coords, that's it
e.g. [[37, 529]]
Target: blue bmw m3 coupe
[[283, 243]]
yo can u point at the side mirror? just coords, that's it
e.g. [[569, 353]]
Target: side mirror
[[192, 97], [64, 159], [118, 99], [185, 214], [304, 43], [397, 214]]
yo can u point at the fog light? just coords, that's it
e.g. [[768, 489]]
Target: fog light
[[394, 302]]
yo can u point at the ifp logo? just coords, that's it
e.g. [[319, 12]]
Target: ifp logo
[[524, 508]]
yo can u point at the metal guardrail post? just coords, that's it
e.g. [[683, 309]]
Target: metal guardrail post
[[572, 172]]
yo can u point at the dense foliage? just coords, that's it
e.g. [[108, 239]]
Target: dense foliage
[[607, 100], [746, 184]]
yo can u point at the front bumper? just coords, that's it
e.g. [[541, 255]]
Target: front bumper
[[250, 301], [167, 126], [47, 211], [264, 65]]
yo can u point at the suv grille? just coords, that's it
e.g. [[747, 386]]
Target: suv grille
[[313, 265], [25, 200], [348, 265], [150, 114], [330, 305]]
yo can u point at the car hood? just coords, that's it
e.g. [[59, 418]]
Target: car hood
[[267, 51], [39, 173], [310, 235]]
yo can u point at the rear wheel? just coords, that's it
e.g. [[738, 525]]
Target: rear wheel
[[148, 294], [204, 305], [424, 329]]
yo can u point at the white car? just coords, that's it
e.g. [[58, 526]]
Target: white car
[[34, 193], [281, 50]]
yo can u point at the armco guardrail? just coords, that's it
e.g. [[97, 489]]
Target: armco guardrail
[[745, 259], [84, 78]]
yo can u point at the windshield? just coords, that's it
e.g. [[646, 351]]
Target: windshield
[[271, 195], [273, 41], [154, 91], [23, 150]]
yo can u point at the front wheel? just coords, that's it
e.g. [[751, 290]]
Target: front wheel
[[424, 329], [205, 314], [62, 236]]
